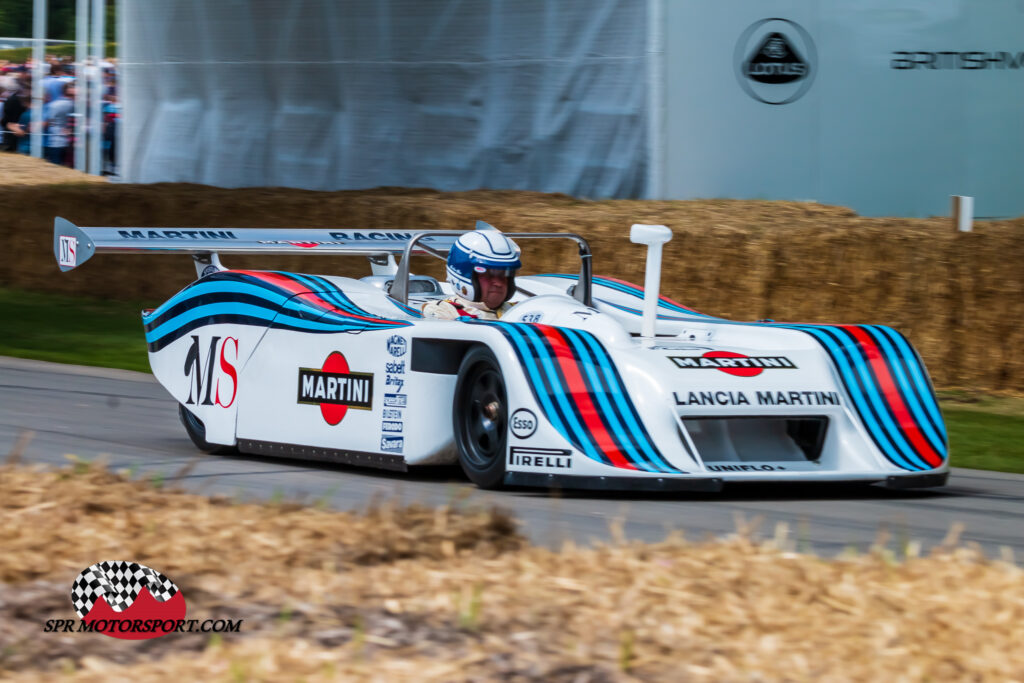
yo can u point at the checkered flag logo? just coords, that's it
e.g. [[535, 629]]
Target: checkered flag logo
[[119, 583]]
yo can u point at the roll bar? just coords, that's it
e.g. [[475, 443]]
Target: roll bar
[[581, 291]]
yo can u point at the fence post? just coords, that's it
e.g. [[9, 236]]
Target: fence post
[[963, 213]]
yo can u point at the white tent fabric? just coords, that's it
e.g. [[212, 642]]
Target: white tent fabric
[[542, 95]]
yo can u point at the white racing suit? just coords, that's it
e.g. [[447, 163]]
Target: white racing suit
[[455, 307]]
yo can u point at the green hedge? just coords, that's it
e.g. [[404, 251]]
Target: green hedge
[[19, 55]]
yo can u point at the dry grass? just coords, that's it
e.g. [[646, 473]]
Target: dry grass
[[454, 594], [20, 169]]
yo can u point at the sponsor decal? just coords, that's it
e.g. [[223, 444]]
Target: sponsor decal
[[394, 381], [798, 398], [109, 595], [177, 234], [711, 398], [762, 398], [532, 317], [745, 468], [305, 245], [733, 363], [775, 61], [548, 458], [391, 414], [523, 423], [210, 270], [391, 426], [397, 346], [372, 236], [397, 367], [67, 251], [395, 400], [952, 59], [335, 388], [392, 444], [215, 380]]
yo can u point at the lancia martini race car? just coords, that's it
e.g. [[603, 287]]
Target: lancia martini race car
[[585, 382]]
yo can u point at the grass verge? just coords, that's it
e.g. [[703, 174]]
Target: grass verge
[[985, 432], [454, 594]]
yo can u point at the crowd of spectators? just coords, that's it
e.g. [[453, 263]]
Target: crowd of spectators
[[59, 122]]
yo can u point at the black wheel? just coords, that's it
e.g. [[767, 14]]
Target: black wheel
[[480, 418], [197, 432]]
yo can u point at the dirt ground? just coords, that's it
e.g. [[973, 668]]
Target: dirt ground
[[455, 594], [959, 297]]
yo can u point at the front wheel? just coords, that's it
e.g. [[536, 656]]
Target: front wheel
[[480, 418], [197, 432]]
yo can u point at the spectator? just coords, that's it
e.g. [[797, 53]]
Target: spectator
[[14, 107], [25, 127], [57, 117], [53, 85]]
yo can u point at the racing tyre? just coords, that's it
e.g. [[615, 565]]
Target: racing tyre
[[197, 432], [480, 418]]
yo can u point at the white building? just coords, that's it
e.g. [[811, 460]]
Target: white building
[[886, 106]]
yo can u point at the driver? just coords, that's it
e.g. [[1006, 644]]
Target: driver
[[482, 268]]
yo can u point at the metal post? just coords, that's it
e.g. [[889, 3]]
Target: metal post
[[96, 91], [38, 55], [963, 213], [119, 36], [81, 85], [655, 68]]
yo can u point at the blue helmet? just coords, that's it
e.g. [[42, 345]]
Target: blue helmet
[[483, 250]]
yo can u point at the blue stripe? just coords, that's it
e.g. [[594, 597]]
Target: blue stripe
[[609, 384], [586, 444], [631, 290], [920, 381], [909, 395], [867, 405]]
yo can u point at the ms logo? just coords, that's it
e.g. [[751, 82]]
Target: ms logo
[[213, 379]]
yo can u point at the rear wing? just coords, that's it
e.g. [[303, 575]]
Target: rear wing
[[74, 245]]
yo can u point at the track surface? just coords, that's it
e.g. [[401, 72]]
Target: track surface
[[129, 419]]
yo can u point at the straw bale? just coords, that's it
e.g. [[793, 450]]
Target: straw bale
[[958, 297], [318, 607]]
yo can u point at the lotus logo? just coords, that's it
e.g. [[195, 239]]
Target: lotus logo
[[775, 61]]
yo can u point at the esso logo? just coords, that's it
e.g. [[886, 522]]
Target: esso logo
[[523, 423]]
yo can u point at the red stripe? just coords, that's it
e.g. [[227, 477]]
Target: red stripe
[[303, 292], [660, 298], [893, 396], [580, 395]]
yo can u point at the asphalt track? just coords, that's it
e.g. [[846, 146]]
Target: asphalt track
[[127, 418]]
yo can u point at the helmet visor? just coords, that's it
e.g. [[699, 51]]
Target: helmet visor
[[494, 272]]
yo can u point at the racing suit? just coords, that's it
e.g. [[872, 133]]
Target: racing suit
[[455, 306]]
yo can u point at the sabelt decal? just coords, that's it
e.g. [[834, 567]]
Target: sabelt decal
[[732, 363], [213, 381], [335, 388], [545, 458], [68, 255]]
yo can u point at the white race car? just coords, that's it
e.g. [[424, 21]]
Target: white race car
[[586, 382]]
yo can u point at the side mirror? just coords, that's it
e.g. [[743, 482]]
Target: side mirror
[[654, 236]]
